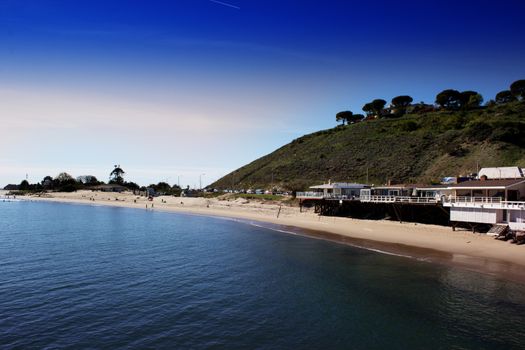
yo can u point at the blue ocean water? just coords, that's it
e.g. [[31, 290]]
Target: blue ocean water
[[76, 276]]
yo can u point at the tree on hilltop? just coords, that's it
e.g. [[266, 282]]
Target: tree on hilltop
[[378, 105], [448, 99], [368, 109], [402, 101], [518, 89], [344, 116], [505, 96], [400, 104], [357, 118], [375, 107], [470, 99]]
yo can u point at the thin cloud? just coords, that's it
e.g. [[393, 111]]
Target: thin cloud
[[226, 4]]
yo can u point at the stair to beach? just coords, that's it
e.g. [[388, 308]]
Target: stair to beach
[[498, 230]]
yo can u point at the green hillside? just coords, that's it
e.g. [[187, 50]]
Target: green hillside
[[416, 148]]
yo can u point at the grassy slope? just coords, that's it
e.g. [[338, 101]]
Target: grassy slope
[[414, 148]]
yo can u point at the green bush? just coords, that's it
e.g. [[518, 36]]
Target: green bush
[[408, 125], [479, 131]]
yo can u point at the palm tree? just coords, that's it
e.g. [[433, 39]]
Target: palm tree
[[117, 175]]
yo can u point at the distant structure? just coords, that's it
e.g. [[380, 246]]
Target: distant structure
[[110, 188], [339, 190], [494, 200], [86, 179], [511, 172]]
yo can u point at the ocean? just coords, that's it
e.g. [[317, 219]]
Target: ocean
[[81, 276]]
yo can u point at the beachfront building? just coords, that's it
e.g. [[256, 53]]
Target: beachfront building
[[416, 194], [333, 190], [437, 192], [497, 201]]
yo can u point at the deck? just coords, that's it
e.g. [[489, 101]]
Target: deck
[[369, 199], [483, 202], [400, 199]]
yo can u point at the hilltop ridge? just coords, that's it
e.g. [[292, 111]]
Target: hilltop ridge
[[414, 148]]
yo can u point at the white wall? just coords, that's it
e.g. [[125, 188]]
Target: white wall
[[478, 215], [517, 216]]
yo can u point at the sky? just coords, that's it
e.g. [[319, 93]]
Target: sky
[[186, 91]]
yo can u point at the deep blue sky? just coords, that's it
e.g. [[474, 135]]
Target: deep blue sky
[[246, 80]]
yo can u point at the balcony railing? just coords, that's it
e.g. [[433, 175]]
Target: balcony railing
[[313, 195], [320, 195], [513, 205], [473, 200], [480, 202], [399, 199]]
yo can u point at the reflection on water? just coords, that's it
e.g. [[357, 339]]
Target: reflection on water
[[83, 276]]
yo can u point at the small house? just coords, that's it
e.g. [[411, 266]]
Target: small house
[[334, 190], [485, 201]]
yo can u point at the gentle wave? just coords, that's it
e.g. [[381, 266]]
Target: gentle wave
[[269, 227]]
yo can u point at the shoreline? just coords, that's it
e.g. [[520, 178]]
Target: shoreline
[[430, 243]]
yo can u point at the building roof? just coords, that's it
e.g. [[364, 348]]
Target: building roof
[[338, 185], [487, 184], [431, 187], [394, 187], [509, 172]]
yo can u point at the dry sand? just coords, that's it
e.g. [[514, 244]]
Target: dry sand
[[428, 242]]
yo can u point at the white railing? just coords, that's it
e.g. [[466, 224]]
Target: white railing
[[316, 195], [480, 202], [474, 200], [513, 205], [399, 199], [320, 195]]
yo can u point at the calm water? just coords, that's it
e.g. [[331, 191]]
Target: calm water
[[75, 276]]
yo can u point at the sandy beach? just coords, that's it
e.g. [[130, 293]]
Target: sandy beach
[[425, 242]]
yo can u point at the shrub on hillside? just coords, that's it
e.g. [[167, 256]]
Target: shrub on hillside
[[478, 131], [408, 125]]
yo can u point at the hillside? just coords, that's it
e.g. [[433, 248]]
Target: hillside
[[418, 148]]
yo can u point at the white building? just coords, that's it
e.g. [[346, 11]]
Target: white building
[[335, 190], [510, 172], [415, 194], [486, 201]]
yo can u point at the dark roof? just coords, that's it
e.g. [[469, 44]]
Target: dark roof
[[431, 186], [393, 187], [488, 183]]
